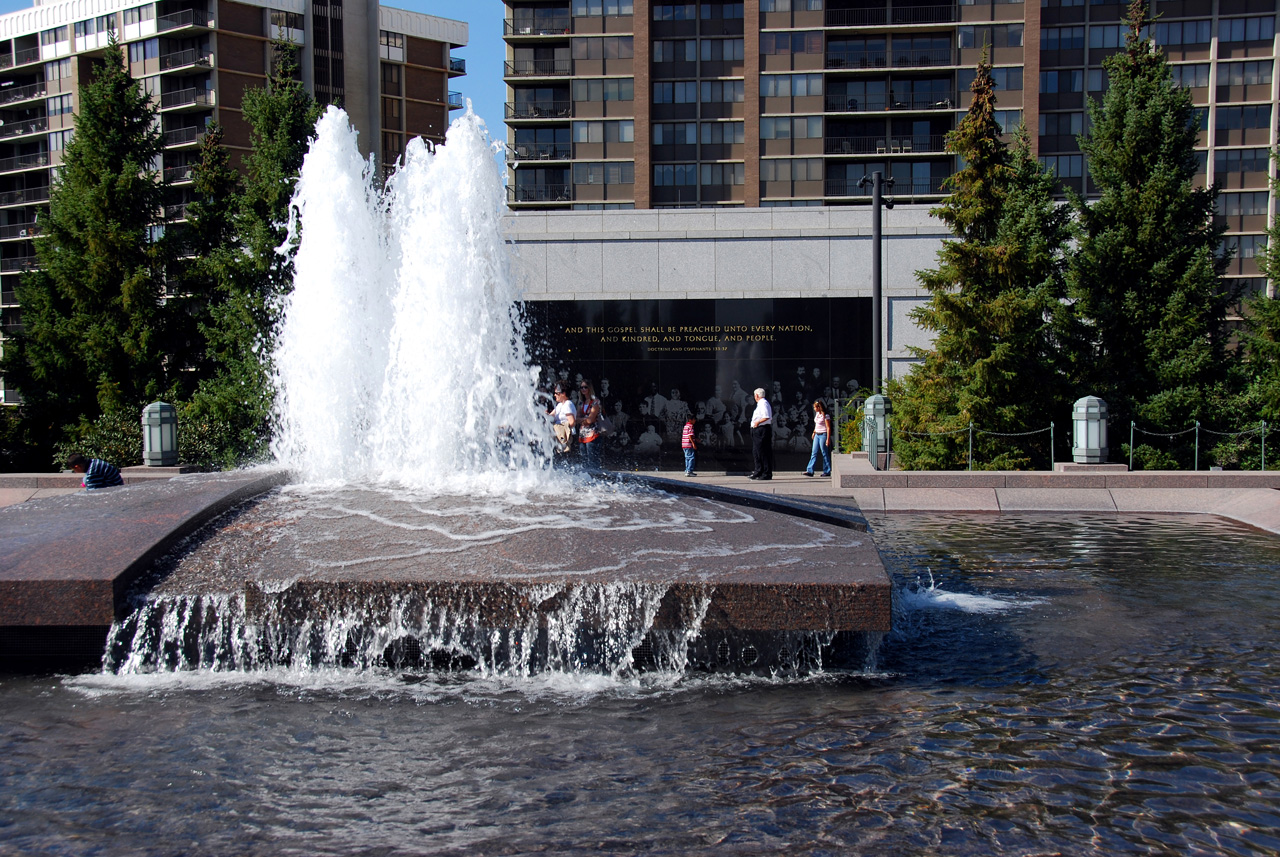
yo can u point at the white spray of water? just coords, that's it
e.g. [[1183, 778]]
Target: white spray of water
[[401, 355]]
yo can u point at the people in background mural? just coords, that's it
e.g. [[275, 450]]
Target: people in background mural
[[674, 416], [715, 406]]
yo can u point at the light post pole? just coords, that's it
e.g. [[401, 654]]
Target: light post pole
[[878, 184]]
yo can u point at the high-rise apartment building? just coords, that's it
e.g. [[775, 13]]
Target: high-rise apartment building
[[645, 104], [390, 69]]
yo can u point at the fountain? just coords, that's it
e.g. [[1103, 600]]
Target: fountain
[[426, 526]]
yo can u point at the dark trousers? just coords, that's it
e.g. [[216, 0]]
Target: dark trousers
[[762, 450]]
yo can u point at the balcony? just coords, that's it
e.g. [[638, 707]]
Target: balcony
[[931, 186], [898, 15], [21, 197], [19, 231], [546, 27], [456, 101], [186, 98], [540, 110], [176, 212], [182, 59], [18, 265], [539, 68], [14, 94], [23, 57], [882, 59], [539, 193], [911, 101], [545, 152], [904, 145], [184, 136], [24, 162], [177, 175], [26, 126], [457, 66], [183, 19]]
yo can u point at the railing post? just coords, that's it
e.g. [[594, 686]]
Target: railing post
[[1264, 444], [1051, 444], [1197, 460], [1131, 425], [971, 444]]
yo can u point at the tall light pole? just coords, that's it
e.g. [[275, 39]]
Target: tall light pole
[[878, 183]]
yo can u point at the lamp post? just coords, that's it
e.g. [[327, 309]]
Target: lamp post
[[878, 183], [1090, 421], [159, 435]]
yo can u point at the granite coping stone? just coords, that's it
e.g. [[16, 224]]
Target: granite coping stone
[[1040, 500], [68, 560]]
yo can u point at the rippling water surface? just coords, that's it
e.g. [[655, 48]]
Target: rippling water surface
[[1091, 686]]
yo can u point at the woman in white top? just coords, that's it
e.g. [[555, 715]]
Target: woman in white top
[[821, 440]]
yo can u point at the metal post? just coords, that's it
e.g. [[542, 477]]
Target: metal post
[[1264, 444], [1131, 425], [970, 444], [878, 183], [876, 297], [1197, 465], [1051, 444]]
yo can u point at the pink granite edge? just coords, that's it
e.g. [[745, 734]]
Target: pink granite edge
[[941, 500]]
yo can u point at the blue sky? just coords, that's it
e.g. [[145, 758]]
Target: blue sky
[[484, 54]]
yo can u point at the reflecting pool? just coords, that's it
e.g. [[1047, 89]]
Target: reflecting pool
[[1098, 685]]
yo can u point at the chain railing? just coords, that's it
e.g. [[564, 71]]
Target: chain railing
[[1260, 432]]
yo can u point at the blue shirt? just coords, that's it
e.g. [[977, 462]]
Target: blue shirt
[[101, 475]]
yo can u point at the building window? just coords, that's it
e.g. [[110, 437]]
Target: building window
[[681, 50], [791, 170], [1060, 39], [1247, 29], [1008, 119], [1062, 81], [621, 131], [675, 92], [798, 127], [675, 175], [1240, 73], [1061, 124], [287, 20], [1246, 246], [57, 70], [1188, 76], [725, 50], [604, 90], [721, 133], [1243, 204], [598, 8], [58, 105], [998, 36], [1252, 116], [391, 84], [787, 85], [139, 14], [722, 91], [675, 12], [790, 5], [1242, 161], [146, 50], [50, 37], [722, 11], [391, 118], [722, 174], [621, 172], [1064, 166], [390, 45], [675, 133], [58, 140], [607, 48], [782, 44], [1005, 79], [1175, 33]]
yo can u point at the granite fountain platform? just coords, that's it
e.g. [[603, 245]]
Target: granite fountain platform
[[729, 561]]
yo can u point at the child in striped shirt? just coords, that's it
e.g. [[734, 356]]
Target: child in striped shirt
[[690, 446]]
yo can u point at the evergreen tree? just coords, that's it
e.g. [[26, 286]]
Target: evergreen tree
[[252, 277], [1147, 275], [93, 314], [994, 308]]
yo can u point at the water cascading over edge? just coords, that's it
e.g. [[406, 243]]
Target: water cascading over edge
[[401, 353]]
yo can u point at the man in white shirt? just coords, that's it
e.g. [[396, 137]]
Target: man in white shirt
[[762, 437]]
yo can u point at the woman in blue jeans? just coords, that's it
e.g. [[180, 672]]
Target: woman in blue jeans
[[821, 440]]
